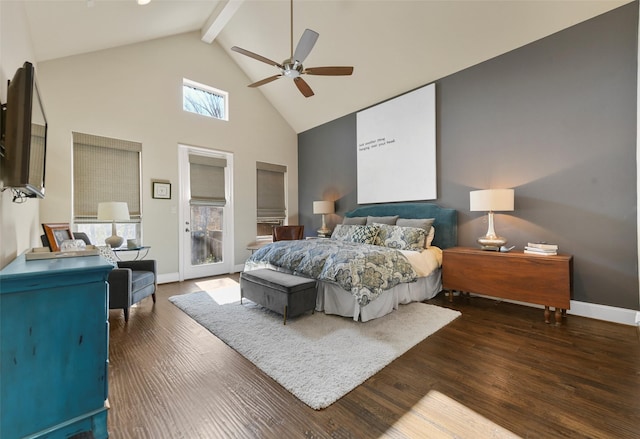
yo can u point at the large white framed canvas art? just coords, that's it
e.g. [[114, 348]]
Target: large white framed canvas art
[[396, 149]]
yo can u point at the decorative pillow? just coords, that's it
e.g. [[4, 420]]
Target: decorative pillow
[[356, 220], [341, 231], [382, 219], [107, 253], [432, 233], [422, 223], [354, 233], [401, 238]]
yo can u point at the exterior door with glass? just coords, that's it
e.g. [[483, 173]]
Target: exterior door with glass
[[205, 213]]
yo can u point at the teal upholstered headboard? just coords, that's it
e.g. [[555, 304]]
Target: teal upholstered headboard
[[446, 220]]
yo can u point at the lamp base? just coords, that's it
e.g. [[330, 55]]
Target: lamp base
[[114, 241], [324, 232], [491, 242]]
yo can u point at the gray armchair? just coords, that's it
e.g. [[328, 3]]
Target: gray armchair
[[129, 282]]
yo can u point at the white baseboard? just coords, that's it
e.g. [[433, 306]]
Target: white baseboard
[[175, 277], [604, 312], [590, 310], [168, 278]]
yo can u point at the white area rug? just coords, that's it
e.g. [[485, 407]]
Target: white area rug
[[317, 357]]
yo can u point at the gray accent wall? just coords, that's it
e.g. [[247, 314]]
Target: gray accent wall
[[556, 121]]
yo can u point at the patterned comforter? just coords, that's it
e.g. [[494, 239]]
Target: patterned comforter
[[364, 270]]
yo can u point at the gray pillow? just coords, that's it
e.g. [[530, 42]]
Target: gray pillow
[[355, 221], [390, 220], [422, 223]]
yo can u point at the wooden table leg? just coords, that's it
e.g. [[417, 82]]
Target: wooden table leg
[[558, 316], [450, 292], [547, 314]]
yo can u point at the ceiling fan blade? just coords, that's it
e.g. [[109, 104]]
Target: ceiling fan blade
[[256, 56], [329, 71], [264, 81], [303, 87], [306, 43]]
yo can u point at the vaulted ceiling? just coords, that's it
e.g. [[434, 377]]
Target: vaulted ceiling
[[394, 45]]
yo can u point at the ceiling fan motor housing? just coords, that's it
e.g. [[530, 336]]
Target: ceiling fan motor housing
[[291, 69]]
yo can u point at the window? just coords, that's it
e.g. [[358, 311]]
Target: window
[[202, 99], [271, 208], [105, 169]]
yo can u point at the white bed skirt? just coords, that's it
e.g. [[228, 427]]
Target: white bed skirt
[[333, 299]]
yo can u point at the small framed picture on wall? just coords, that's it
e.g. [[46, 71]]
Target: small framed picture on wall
[[161, 190]]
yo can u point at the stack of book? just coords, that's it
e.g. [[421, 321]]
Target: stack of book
[[541, 248]]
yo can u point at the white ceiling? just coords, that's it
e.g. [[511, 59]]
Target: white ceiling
[[394, 45]]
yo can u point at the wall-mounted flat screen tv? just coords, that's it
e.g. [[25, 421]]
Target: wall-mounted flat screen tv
[[25, 135]]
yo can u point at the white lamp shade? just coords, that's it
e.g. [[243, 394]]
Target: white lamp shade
[[113, 211], [323, 207], [491, 200]]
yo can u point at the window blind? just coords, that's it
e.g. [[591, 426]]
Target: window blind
[[104, 169], [206, 177], [270, 190]]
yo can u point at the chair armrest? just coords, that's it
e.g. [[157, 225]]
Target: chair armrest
[[140, 265], [119, 288]]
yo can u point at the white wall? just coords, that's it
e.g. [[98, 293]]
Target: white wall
[[135, 93], [19, 223]]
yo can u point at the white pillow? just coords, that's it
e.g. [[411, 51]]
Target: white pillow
[[429, 240], [107, 253]]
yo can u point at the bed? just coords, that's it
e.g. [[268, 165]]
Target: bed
[[363, 277]]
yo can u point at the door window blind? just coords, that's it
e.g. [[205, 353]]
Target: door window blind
[[206, 177]]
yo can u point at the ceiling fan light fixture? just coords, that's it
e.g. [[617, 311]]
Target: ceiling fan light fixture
[[143, 2], [291, 69]]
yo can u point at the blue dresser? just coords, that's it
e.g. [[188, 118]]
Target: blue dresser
[[54, 348]]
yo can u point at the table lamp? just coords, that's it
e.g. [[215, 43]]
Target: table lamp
[[323, 208], [491, 200], [113, 211]]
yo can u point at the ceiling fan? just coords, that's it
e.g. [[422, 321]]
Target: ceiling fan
[[292, 67]]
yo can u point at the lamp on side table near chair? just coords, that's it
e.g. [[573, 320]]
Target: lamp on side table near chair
[[113, 211]]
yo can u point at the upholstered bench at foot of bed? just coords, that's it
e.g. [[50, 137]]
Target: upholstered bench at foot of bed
[[283, 293]]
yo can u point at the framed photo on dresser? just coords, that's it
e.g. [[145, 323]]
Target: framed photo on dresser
[[56, 234]]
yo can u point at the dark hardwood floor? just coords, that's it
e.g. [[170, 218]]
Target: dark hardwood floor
[[497, 371]]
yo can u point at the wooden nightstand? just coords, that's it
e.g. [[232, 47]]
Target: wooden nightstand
[[544, 280]]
